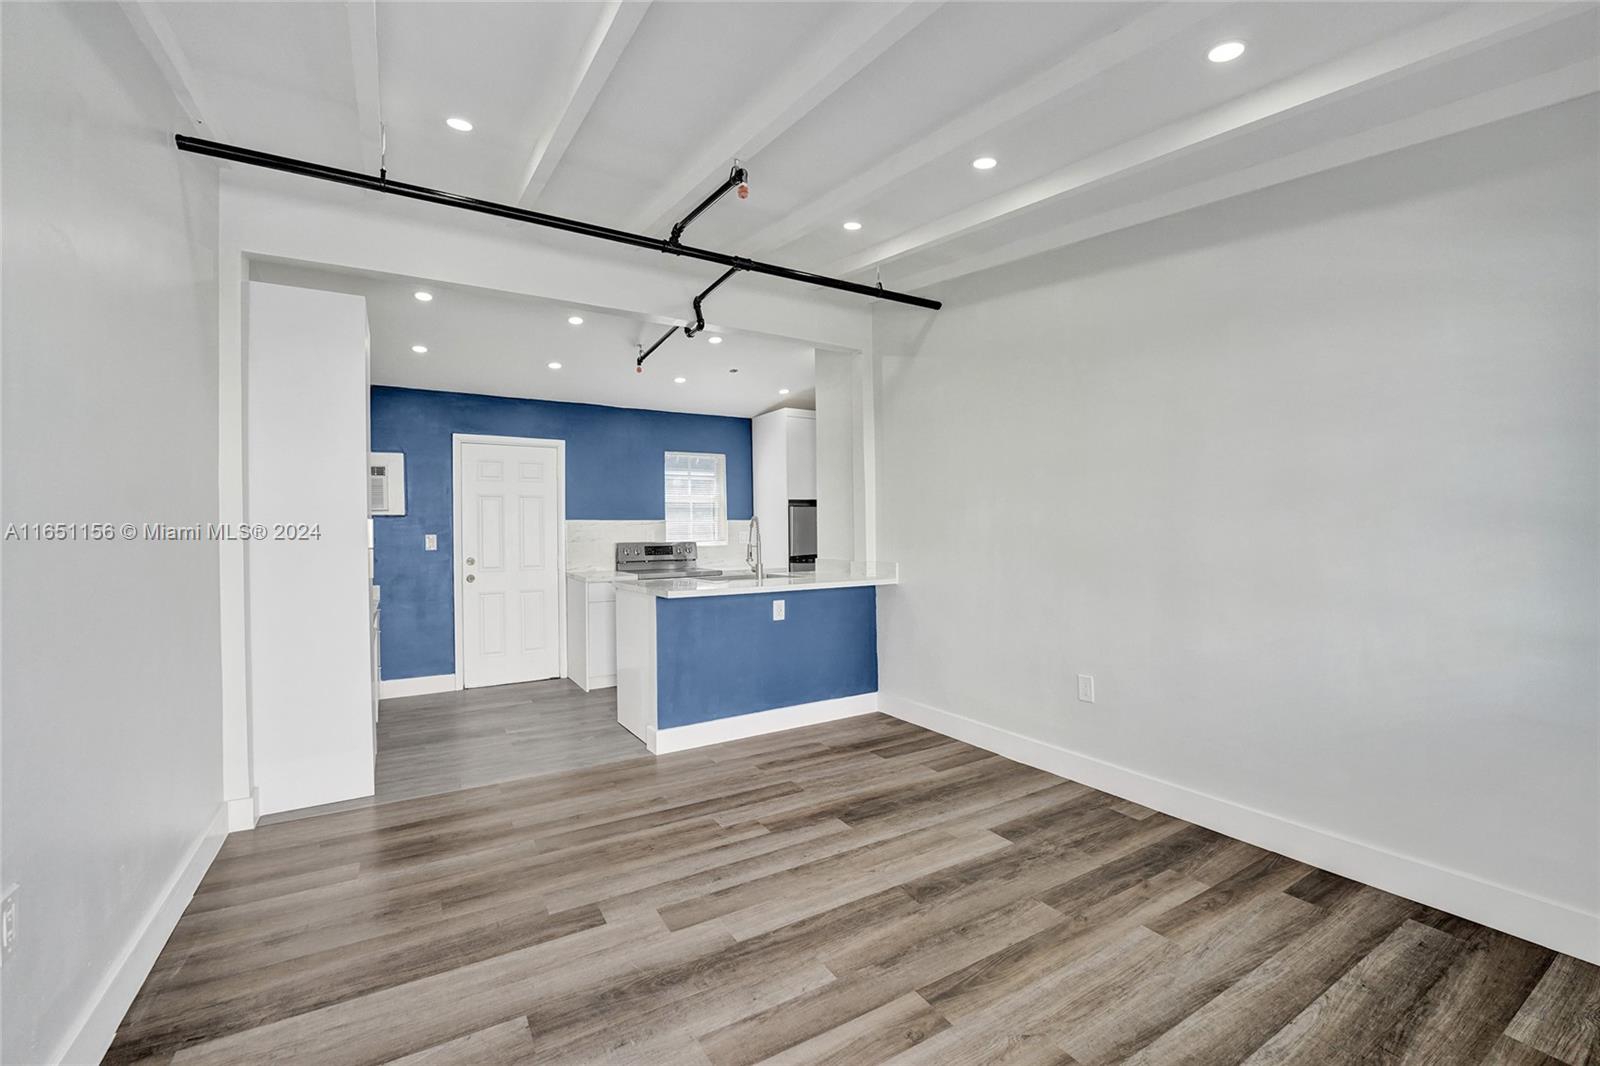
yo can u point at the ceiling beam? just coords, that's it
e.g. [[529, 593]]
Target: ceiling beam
[[1130, 39], [1463, 31], [868, 32], [363, 16], [1544, 90], [614, 27], [150, 25]]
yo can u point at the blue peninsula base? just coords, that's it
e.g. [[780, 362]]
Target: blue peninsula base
[[708, 668]]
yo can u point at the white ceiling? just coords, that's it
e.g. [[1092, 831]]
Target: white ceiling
[[1102, 115], [500, 344]]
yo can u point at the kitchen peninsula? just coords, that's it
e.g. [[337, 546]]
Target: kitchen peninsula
[[704, 660]]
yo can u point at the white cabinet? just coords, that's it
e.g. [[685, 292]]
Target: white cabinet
[[785, 468], [800, 436], [591, 633]]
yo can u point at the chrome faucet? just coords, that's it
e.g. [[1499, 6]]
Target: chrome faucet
[[752, 550]]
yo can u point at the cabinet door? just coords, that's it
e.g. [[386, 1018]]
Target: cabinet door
[[603, 642], [802, 458]]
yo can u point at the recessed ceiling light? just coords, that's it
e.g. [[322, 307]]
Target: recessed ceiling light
[[553, 366], [679, 381], [575, 320], [983, 162], [420, 349], [460, 125], [852, 226], [423, 295], [783, 392], [1226, 52], [714, 340]]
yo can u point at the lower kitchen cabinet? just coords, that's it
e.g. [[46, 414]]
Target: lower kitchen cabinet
[[591, 633]]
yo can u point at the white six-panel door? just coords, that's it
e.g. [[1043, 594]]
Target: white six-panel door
[[508, 563]]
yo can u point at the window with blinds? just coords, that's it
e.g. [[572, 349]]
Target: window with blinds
[[696, 498]]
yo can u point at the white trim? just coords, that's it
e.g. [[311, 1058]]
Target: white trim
[[150, 25], [456, 441], [598, 682], [395, 688], [362, 19], [1543, 921], [243, 811], [1542, 90], [97, 1024], [739, 726], [1467, 31], [614, 28]]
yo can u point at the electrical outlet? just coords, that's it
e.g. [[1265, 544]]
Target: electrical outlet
[[777, 610], [430, 542], [8, 923], [1086, 688]]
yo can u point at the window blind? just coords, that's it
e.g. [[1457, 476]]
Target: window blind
[[696, 498]]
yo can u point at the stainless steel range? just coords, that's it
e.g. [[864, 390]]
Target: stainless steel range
[[646, 559]]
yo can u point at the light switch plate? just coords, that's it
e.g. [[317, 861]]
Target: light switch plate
[[430, 542], [1086, 688], [777, 610]]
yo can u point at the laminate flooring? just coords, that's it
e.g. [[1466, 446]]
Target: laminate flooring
[[857, 892], [483, 736]]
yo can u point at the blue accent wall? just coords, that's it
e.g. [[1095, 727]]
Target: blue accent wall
[[720, 656], [615, 465]]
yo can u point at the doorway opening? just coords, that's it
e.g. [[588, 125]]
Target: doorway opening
[[517, 449]]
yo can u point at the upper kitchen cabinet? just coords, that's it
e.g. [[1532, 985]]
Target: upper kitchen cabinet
[[800, 439], [785, 469]]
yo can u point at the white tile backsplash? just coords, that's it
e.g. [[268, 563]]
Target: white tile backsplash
[[592, 544]]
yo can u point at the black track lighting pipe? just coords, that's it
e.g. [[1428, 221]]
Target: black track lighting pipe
[[737, 176], [699, 315], [639, 362], [322, 172], [699, 318]]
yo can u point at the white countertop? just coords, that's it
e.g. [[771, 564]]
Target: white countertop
[[594, 574], [826, 576]]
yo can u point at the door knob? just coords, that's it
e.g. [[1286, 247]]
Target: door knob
[[470, 560], [471, 577]]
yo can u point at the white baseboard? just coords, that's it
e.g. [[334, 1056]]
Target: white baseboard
[[416, 686], [97, 1025], [243, 811], [739, 726], [1543, 921]]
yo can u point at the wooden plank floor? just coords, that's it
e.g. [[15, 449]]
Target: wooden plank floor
[[483, 736], [857, 892]]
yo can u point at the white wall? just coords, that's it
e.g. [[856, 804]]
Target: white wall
[[309, 605], [838, 427], [1307, 480], [111, 780]]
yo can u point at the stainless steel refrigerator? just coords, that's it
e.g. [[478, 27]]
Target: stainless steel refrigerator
[[802, 535]]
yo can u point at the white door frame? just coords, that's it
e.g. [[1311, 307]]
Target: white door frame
[[456, 441]]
